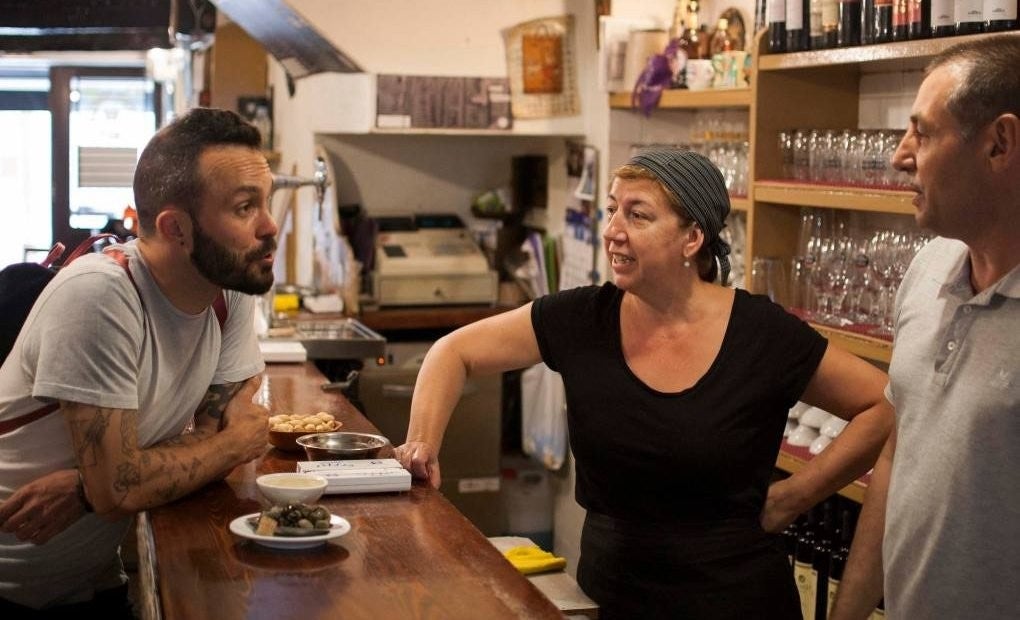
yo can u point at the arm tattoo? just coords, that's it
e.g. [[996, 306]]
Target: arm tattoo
[[91, 430], [216, 400]]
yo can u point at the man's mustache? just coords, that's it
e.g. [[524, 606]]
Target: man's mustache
[[268, 246]]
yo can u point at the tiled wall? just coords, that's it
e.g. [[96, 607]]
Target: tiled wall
[[886, 99]]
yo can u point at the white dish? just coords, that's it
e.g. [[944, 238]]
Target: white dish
[[802, 436], [338, 526], [814, 417], [820, 443], [833, 427], [791, 425]]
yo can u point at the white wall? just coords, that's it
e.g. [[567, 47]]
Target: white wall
[[388, 174]]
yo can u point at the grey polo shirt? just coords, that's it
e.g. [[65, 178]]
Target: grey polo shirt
[[952, 536]]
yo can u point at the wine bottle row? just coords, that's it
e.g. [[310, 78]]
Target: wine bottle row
[[818, 544], [800, 25]]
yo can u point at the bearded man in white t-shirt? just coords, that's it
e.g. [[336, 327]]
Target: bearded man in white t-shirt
[[133, 351]]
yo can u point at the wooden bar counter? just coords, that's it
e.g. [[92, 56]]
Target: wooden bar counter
[[408, 555]]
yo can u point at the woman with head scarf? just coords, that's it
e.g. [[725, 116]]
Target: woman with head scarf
[[677, 390]]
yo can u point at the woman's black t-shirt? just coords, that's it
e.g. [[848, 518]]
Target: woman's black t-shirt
[[703, 454]]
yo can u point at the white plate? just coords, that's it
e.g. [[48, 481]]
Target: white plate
[[338, 526]]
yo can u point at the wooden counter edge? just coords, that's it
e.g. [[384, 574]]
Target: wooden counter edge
[[148, 606]]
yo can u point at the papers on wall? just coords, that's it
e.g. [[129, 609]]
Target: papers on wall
[[577, 267]]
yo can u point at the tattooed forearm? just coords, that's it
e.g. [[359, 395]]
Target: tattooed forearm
[[216, 399], [91, 431], [128, 478], [122, 476]]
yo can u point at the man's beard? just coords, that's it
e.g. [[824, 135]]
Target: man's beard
[[231, 270]]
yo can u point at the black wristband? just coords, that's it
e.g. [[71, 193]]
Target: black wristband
[[81, 493]]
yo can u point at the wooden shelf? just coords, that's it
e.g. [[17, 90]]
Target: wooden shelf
[[868, 347], [682, 99], [442, 131], [882, 57], [792, 459], [740, 203], [835, 197]]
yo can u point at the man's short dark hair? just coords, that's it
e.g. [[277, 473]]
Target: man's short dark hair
[[990, 83], [167, 171]]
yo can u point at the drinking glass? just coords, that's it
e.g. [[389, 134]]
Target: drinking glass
[[786, 154], [768, 277]]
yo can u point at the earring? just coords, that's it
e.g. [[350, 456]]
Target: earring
[[687, 263]]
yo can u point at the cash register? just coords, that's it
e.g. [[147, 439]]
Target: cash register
[[430, 260]]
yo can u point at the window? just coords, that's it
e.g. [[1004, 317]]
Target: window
[[25, 155]]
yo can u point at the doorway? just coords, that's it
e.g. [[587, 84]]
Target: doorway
[[102, 117]]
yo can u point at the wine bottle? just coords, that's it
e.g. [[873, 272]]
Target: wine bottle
[[840, 552], [970, 15], [696, 31], [777, 26], [943, 18], [817, 37], [920, 19], [678, 46], [868, 21], [848, 31], [830, 23], [760, 15], [790, 534], [720, 41], [804, 574], [883, 21], [820, 563], [901, 20], [1000, 15], [798, 30]]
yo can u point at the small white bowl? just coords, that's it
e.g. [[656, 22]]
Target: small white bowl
[[814, 417], [802, 436], [820, 443], [797, 410], [291, 488], [833, 427], [790, 426]]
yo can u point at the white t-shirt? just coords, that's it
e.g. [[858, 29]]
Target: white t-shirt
[[93, 338]]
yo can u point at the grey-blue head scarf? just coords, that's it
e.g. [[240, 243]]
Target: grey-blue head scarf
[[701, 189]]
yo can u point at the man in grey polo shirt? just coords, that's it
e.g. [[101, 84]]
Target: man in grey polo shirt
[[949, 502]]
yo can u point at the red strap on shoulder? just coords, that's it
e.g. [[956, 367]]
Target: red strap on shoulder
[[220, 308], [121, 259], [86, 245], [7, 426]]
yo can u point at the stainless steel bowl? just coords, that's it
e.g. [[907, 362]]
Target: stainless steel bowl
[[342, 445]]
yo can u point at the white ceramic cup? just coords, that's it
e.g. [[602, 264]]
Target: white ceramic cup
[[699, 74]]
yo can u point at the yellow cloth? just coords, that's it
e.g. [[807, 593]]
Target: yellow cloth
[[530, 560], [286, 302]]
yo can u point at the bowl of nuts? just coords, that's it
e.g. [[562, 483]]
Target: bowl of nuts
[[284, 429]]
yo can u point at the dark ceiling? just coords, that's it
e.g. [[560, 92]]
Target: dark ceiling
[[95, 25]]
